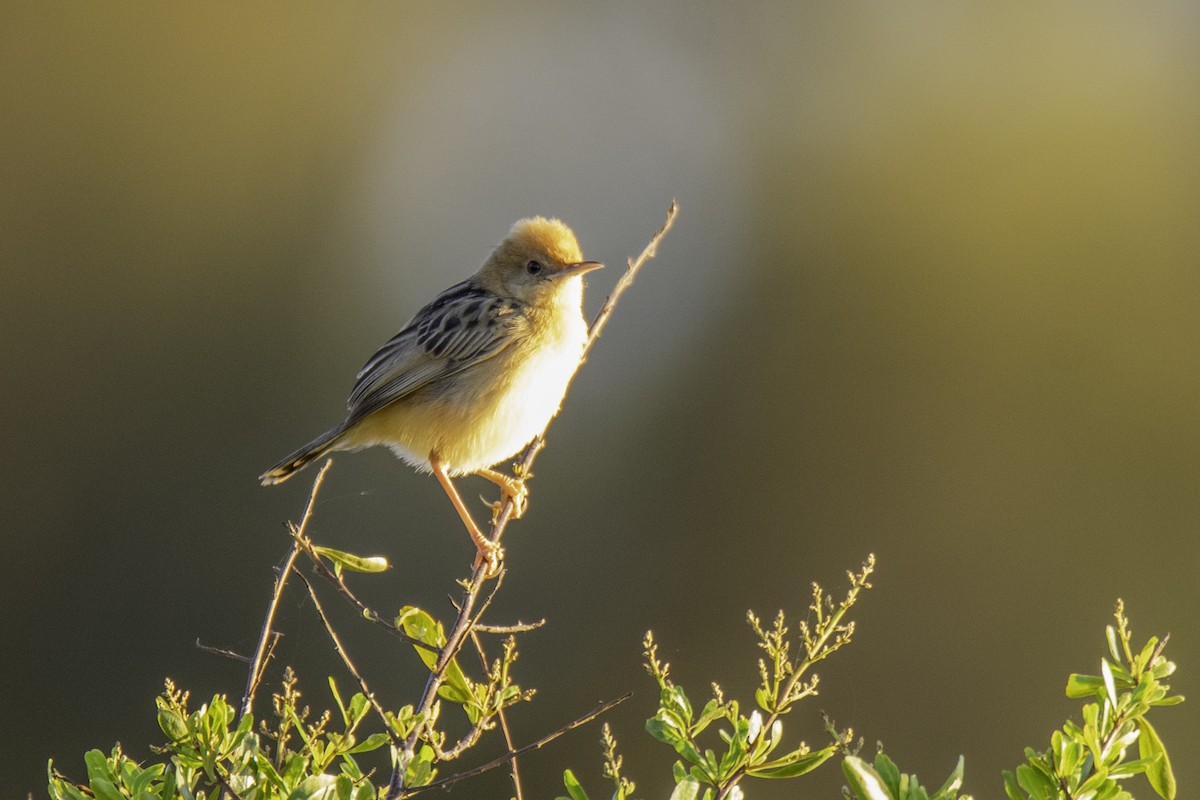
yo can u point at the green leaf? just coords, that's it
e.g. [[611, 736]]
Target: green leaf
[[887, 770], [793, 765], [144, 778], [663, 730], [372, 742], [105, 790], [172, 725], [1109, 686], [712, 710], [420, 770], [686, 789], [953, 783], [573, 788], [1035, 782], [350, 767], [1079, 686], [1130, 768], [315, 786], [358, 709], [352, 562], [1011, 787], [1110, 633], [97, 765], [1143, 658], [337, 698], [1160, 774], [863, 780], [1093, 783], [674, 700], [419, 625]]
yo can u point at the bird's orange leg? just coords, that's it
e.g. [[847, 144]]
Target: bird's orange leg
[[489, 553], [510, 488]]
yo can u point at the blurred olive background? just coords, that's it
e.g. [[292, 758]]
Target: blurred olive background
[[933, 294]]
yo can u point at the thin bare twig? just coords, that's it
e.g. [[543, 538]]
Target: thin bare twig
[[479, 576], [258, 664], [518, 627], [221, 651], [514, 770], [510, 755], [341, 651], [626, 280]]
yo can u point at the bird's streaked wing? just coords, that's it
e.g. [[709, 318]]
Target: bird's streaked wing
[[459, 328]]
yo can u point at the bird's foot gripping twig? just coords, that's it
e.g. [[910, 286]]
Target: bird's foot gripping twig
[[490, 556], [511, 489]]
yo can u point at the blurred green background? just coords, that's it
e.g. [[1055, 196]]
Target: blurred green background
[[934, 294]]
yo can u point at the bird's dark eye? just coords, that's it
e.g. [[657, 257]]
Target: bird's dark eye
[[533, 267]]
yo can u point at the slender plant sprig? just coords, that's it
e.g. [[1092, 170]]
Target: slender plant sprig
[[514, 769], [622, 786], [782, 676], [1086, 762], [613, 763], [702, 772], [258, 663]]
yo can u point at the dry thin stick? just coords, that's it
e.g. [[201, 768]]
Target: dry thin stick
[[258, 664], [631, 271], [514, 770], [479, 575], [501, 760], [341, 651], [519, 627], [221, 651]]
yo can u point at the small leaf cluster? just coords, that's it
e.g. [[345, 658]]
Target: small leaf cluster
[[211, 752], [749, 744], [884, 781], [482, 700], [749, 741], [1086, 762]]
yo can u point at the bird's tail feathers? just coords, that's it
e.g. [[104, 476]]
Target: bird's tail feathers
[[323, 444]]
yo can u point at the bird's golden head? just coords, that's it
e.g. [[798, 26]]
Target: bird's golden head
[[548, 237], [535, 261]]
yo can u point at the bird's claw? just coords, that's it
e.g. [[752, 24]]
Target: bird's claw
[[490, 556], [514, 492]]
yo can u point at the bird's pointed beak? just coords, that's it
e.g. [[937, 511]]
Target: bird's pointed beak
[[579, 268]]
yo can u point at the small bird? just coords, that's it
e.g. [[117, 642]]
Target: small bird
[[476, 374]]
